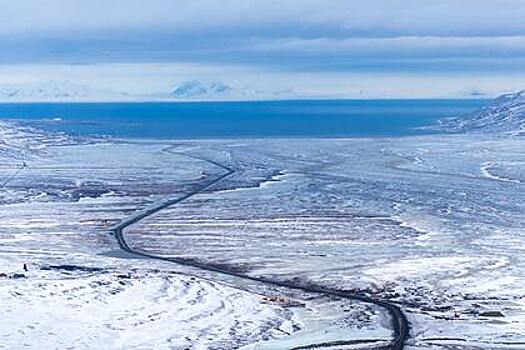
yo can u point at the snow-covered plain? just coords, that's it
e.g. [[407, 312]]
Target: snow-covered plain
[[60, 197], [415, 220], [434, 223]]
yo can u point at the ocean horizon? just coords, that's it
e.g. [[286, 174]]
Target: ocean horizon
[[245, 119]]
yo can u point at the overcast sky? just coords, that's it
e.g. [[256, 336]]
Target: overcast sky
[[385, 48]]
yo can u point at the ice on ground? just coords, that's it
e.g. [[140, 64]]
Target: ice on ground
[[412, 220], [63, 281], [132, 309], [427, 222]]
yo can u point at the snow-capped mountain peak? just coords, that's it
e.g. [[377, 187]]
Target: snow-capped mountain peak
[[221, 91], [199, 89]]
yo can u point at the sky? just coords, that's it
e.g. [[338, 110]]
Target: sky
[[315, 48]]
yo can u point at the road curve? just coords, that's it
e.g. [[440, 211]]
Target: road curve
[[399, 322]]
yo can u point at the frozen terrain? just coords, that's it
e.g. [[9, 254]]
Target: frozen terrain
[[61, 196], [433, 224], [417, 221], [505, 115]]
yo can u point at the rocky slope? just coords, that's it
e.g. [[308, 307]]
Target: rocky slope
[[505, 115]]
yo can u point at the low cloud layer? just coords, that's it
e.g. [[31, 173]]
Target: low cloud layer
[[403, 37]]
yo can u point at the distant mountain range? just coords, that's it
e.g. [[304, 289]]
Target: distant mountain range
[[51, 91], [216, 90], [190, 90], [198, 89], [505, 115]]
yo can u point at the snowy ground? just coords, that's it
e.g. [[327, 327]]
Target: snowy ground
[[434, 223]]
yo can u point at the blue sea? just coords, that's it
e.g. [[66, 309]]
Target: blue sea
[[268, 119]]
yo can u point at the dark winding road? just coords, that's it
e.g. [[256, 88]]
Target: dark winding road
[[399, 322]]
